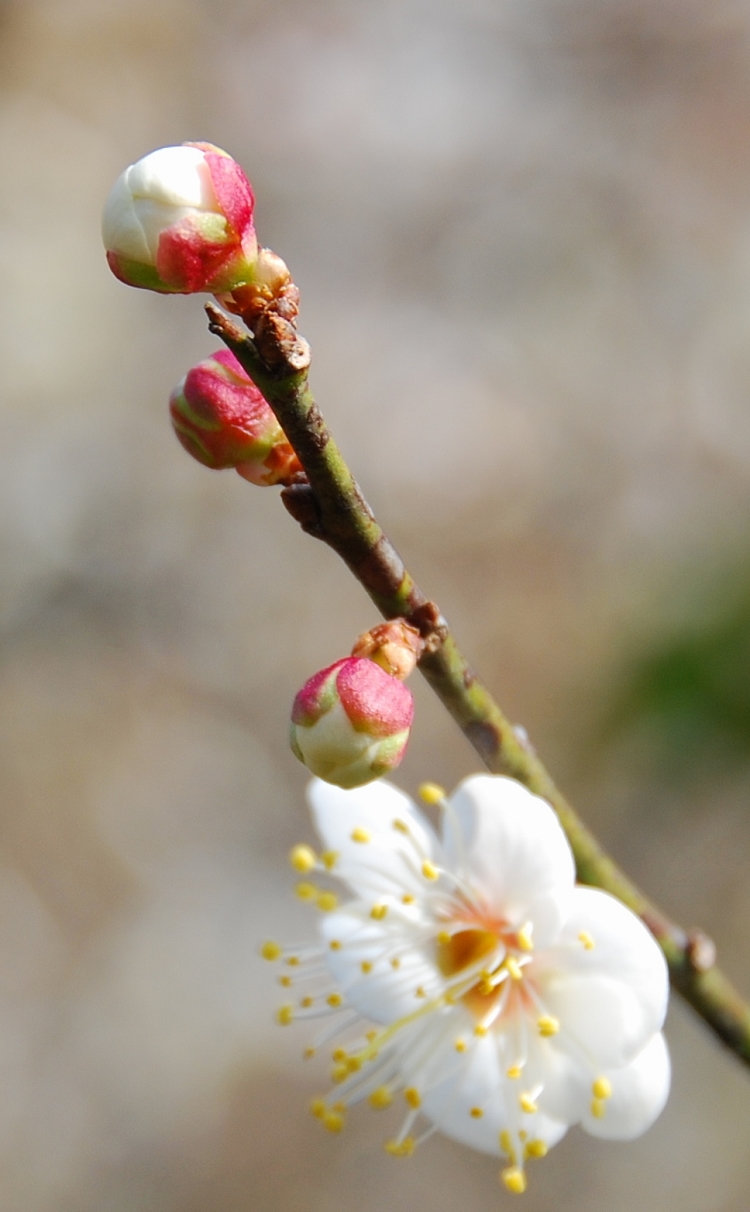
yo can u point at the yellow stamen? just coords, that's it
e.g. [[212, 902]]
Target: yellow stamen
[[371, 1035], [380, 1098], [506, 1144], [598, 1108], [318, 1107], [334, 944], [527, 1104], [333, 1121], [292, 961], [419, 992], [339, 1073], [514, 1072], [524, 938], [335, 999], [602, 1088], [443, 937], [514, 968], [395, 962], [460, 1045], [411, 1094], [548, 1025], [306, 892], [401, 826], [429, 870], [306, 1003], [480, 1030], [354, 1064], [585, 938], [361, 835], [286, 981], [327, 901], [403, 1148], [366, 966], [476, 1113], [514, 1179], [303, 859], [408, 899], [536, 1148], [284, 1015], [431, 793], [270, 951], [378, 912], [338, 1054], [308, 1053], [329, 859]]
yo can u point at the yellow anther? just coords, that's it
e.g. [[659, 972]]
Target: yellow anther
[[335, 944], [380, 1098], [585, 938], [306, 892], [366, 966], [360, 835], [429, 870], [486, 986], [548, 1025], [395, 962], [292, 961], [602, 1088], [476, 1113], [506, 1144], [514, 968], [335, 999], [403, 1148], [307, 1002], [598, 1108], [527, 1104], [327, 901], [431, 793], [333, 1121], [286, 981], [339, 1073], [419, 991], [303, 859], [523, 1134], [329, 859], [408, 899], [270, 951], [480, 1030], [370, 1036], [378, 912], [318, 1108], [536, 1148], [308, 1053], [339, 1054], [354, 1064], [400, 826], [525, 941], [443, 937], [514, 1072], [411, 1094], [460, 1045], [514, 1179], [284, 1015]]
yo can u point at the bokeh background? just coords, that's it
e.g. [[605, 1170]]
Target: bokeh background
[[522, 233]]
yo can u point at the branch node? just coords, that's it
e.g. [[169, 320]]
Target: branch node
[[700, 951], [431, 625], [300, 501]]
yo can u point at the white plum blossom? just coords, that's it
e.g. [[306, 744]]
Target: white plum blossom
[[508, 1002]]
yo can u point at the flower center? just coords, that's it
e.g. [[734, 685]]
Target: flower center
[[465, 948]]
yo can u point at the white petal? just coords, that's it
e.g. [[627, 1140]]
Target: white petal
[[514, 852], [177, 176], [639, 1092], [385, 993], [122, 232], [389, 862], [613, 997], [476, 1081]]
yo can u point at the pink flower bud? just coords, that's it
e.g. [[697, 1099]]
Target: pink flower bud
[[351, 722], [223, 420], [181, 220]]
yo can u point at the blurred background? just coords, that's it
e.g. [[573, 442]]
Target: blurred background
[[521, 229]]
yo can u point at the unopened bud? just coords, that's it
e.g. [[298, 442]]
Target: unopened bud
[[180, 220], [395, 646], [351, 722], [223, 420]]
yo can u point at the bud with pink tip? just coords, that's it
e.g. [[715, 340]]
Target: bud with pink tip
[[351, 722], [223, 420], [180, 220]]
